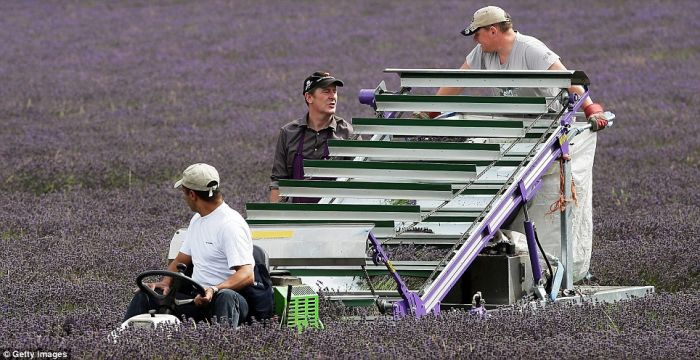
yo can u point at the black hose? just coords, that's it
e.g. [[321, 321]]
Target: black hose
[[549, 266]]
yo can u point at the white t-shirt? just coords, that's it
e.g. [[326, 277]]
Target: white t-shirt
[[527, 53], [217, 242]]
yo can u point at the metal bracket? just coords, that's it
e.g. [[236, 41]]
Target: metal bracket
[[539, 292], [411, 303], [556, 283]]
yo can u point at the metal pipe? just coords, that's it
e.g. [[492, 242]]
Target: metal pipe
[[567, 257]]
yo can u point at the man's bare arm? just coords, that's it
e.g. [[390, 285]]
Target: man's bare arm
[[274, 195], [453, 90], [242, 278], [574, 89]]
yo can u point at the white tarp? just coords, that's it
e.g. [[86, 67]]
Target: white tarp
[[582, 151]]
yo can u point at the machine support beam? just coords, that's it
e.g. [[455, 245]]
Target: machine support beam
[[567, 255]]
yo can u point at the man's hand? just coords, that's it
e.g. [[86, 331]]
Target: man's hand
[[598, 122], [204, 300], [158, 285], [596, 117]]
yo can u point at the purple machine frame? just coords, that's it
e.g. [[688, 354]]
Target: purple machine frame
[[517, 195]]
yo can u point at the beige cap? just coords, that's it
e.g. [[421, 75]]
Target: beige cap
[[486, 16], [199, 177]]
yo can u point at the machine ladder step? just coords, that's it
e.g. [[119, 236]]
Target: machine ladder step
[[382, 229], [418, 238], [415, 151], [489, 78], [406, 268], [454, 173], [305, 244], [364, 190], [352, 212], [461, 128], [378, 170], [460, 103]]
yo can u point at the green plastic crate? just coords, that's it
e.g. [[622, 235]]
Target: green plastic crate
[[303, 306]]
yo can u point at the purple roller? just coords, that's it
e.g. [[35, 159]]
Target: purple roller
[[366, 97]]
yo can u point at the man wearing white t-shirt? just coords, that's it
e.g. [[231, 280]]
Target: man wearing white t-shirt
[[219, 247], [499, 47]]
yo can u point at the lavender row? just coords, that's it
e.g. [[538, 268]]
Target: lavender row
[[103, 105], [654, 327]]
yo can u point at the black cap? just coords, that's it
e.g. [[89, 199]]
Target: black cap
[[317, 80]]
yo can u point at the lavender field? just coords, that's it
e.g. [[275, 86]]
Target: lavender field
[[103, 104]]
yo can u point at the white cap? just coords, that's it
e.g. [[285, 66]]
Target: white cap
[[484, 17], [199, 177]]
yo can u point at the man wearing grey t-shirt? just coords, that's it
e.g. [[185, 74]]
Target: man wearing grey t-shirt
[[499, 47]]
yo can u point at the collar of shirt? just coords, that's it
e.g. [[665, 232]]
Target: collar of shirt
[[303, 122]]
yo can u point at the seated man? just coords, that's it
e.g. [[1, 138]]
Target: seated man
[[219, 247], [307, 137]]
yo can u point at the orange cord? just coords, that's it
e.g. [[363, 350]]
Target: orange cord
[[560, 204]]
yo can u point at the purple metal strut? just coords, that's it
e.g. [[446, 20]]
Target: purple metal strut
[[412, 303]]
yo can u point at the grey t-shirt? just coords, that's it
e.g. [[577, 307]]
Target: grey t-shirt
[[528, 53]]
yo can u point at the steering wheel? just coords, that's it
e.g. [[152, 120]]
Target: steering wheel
[[180, 283]]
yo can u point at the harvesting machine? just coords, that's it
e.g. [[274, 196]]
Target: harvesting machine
[[464, 182]]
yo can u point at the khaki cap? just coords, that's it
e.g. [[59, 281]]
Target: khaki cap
[[486, 16], [199, 177]]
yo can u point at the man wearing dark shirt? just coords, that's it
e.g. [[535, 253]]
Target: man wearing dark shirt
[[307, 137]]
